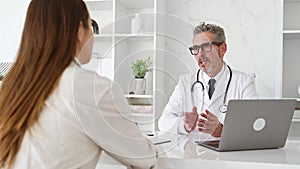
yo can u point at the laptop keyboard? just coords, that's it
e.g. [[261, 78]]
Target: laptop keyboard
[[213, 143]]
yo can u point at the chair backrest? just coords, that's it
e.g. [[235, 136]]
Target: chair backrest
[[5, 67]]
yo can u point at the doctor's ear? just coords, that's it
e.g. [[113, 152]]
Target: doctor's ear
[[223, 49]]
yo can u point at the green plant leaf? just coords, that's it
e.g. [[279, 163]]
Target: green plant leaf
[[140, 67]]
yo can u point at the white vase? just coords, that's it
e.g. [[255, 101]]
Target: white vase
[[140, 86], [299, 89], [137, 24]]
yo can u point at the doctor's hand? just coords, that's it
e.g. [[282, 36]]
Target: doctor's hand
[[190, 120], [210, 124]]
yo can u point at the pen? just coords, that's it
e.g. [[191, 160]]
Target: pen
[[162, 142]]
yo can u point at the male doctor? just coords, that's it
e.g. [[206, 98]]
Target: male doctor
[[199, 101]]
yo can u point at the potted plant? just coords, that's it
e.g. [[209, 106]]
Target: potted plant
[[139, 70]]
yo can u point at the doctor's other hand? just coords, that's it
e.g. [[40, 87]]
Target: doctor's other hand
[[210, 124], [190, 120]]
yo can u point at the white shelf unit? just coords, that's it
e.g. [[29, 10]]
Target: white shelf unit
[[291, 49], [116, 48]]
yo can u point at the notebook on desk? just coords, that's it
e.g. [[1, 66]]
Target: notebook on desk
[[254, 124]]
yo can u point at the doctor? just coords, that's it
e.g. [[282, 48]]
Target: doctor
[[198, 103]]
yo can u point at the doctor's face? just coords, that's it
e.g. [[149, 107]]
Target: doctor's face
[[208, 53]]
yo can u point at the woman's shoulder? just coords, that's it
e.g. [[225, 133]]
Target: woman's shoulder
[[78, 75], [77, 81]]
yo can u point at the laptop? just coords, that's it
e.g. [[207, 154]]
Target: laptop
[[254, 124]]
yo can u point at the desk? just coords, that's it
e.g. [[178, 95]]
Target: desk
[[182, 152]]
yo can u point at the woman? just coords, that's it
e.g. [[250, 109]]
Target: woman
[[53, 113]]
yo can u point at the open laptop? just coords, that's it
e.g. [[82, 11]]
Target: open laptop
[[254, 124]]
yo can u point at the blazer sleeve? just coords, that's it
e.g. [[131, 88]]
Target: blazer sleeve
[[172, 117], [112, 128]]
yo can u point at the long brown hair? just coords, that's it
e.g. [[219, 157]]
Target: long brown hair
[[47, 48]]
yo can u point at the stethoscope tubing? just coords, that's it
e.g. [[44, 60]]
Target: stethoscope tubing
[[223, 107]]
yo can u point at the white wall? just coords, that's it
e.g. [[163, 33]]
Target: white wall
[[253, 30], [12, 18]]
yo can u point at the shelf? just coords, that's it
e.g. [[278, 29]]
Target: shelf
[[122, 35], [292, 1], [103, 37], [97, 1], [139, 100], [137, 4], [99, 4], [291, 34], [138, 96], [291, 31], [142, 115], [134, 37], [296, 120]]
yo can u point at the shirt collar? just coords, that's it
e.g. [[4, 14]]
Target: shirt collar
[[218, 77]]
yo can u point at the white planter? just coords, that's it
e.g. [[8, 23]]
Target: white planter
[[140, 86]]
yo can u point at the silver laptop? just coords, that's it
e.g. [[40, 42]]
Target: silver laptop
[[254, 124]]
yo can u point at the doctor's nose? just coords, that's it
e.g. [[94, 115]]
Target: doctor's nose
[[202, 57]]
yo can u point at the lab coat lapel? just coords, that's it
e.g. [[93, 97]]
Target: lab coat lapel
[[207, 101], [220, 88]]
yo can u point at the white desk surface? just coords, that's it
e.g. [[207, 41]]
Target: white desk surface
[[183, 153]]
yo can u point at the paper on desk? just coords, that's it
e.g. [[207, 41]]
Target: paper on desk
[[160, 139]]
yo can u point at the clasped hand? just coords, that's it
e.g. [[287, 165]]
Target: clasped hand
[[208, 123]]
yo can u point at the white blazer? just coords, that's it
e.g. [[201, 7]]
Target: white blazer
[[242, 86], [86, 114]]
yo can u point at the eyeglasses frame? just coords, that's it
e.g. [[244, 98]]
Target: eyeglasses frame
[[200, 46]]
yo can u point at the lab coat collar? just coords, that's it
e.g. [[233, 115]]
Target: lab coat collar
[[220, 85], [222, 79]]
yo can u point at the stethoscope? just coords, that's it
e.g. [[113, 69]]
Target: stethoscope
[[223, 107]]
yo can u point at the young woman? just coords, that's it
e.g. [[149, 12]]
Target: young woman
[[53, 113]]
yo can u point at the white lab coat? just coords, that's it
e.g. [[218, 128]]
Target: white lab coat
[[242, 86], [86, 114]]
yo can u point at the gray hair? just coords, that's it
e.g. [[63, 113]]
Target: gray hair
[[218, 31]]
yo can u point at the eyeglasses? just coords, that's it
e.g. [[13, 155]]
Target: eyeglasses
[[205, 47]]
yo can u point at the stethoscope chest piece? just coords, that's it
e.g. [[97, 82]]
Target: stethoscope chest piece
[[223, 108]]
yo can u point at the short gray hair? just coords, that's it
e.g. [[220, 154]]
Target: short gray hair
[[218, 31]]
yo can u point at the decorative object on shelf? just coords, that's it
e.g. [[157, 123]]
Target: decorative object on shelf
[[137, 24], [95, 27], [96, 55], [139, 70], [149, 82], [139, 86], [299, 89]]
